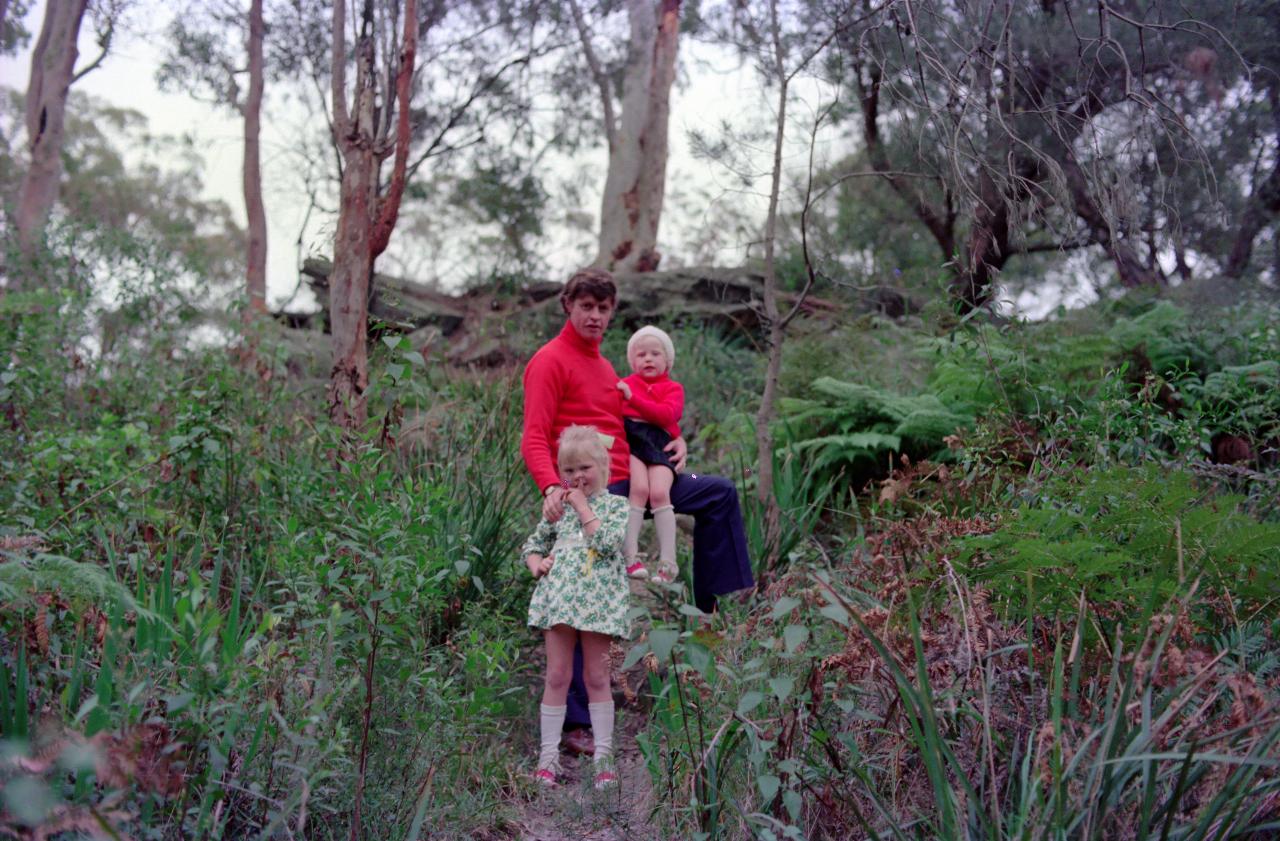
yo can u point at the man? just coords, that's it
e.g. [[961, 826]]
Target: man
[[568, 382]]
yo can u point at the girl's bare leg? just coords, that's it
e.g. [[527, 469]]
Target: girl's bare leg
[[560, 641], [595, 673]]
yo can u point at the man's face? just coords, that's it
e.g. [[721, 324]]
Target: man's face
[[590, 316]]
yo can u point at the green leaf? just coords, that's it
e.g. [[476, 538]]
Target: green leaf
[[782, 687], [392, 342], [836, 613], [768, 785], [791, 799], [783, 606], [637, 651], [749, 701], [690, 610], [699, 657], [794, 636], [661, 641], [174, 703]]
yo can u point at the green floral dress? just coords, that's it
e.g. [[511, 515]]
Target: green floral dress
[[586, 588]]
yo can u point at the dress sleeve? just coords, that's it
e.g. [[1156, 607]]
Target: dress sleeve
[[541, 541], [541, 396], [612, 511]]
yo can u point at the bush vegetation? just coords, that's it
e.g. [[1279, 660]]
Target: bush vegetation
[[1020, 595]]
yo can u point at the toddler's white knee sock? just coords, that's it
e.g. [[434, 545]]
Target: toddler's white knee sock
[[631, 541], [552, 724], [664, 523], [601, 714]]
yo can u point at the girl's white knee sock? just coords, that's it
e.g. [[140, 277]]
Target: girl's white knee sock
[[664, 523], [631, 541], [601, 714], [552, 724]]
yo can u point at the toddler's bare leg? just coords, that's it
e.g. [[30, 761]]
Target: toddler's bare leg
[[638, 496]]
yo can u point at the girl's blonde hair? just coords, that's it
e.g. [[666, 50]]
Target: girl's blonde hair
[[584, 442]]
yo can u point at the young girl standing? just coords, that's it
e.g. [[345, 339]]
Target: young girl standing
[[653, 403], [581, 594]]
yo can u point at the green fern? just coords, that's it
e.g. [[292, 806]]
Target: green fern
[[81, 583]]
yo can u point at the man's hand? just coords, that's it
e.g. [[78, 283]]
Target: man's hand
[[679, 452], [625, 389], [539, 565], [553, 504]]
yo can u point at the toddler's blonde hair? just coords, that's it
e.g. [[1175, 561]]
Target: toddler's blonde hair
[[586, 442]]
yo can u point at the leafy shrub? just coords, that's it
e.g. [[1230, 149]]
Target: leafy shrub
[[1120, 538]]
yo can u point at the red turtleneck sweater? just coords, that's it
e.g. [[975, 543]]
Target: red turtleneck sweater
[[568, 382], [659, 401]]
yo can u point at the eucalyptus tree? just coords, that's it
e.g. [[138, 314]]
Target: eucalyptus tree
[[53, 72], [216, 52], [637, 136], [1010, 129]]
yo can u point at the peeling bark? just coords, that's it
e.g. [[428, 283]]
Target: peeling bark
[[635, 185], [256, 258], [365, 219], [52, 71]]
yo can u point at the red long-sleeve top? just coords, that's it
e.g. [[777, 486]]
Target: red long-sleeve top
[[568, 382], [659, 401]]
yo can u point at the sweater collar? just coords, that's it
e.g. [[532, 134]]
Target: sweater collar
[[660, 378], [578, 343]]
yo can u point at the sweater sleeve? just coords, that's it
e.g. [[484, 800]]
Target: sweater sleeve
[[541, 396], [664, 410]]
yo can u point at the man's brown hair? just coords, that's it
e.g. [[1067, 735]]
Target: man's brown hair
[[598, 283]]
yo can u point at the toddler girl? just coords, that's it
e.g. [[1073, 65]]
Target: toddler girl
[[581, 594], [653, 403]]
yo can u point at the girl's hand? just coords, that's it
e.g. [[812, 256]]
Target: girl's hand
[[539, 565], [625, 389], [577, 500]]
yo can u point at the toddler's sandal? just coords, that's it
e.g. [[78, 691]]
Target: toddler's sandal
[[667, 572], [605, 779], [637, 570], [545, 777]]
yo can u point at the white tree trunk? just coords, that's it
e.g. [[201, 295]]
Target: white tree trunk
[[256, 269], [52, 70], [636, 181]]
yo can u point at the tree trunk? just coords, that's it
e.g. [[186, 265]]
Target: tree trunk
[[365, 221], [256, 269], [52, 70], [772, 317], [1262, 207], [634, 187]]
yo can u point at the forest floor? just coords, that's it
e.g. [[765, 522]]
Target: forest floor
[[574, 810]]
